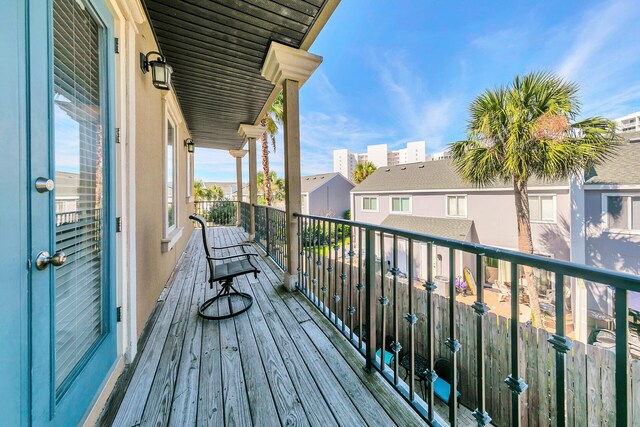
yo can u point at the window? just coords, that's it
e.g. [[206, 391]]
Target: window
[[457, 206], [623, 212], [401, 204], [542, 208], [370, 204], [171, 176]]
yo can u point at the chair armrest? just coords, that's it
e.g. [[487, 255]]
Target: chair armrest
[[231, 256], [232, 246]]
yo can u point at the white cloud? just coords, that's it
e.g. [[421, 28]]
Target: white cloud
[[592, 34], [419, 113]]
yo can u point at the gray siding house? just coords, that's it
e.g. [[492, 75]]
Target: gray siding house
[[438, 202], [594, 220], [326, 195]]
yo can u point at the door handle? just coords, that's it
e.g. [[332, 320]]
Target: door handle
[[44, 259]]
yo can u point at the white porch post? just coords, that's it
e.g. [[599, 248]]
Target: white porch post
[[290, 68], [578, 255], [238, 154], [252, 133]]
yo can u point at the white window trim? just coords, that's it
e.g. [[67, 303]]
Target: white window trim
[[605, 215], [402, 196], [446, 205], [555, 210], [172, 234], [370, 210]]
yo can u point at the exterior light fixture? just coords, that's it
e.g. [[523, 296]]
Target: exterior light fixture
[[160, 70], [189, 144]]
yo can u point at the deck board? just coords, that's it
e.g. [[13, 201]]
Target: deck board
[[279, 363]]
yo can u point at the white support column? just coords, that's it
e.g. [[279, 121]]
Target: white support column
[[238, 154], [290, 68], [252, 133], [579, 299]]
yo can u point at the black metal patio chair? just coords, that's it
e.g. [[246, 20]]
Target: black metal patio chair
[[225, 273]]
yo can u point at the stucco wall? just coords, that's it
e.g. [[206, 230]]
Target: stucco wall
[[493, 213], [331, 199], [153, 266]]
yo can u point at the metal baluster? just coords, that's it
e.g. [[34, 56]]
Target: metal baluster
[[335, 297], [343, 278], [516, 384], [384, 300], [300, 285], [326, 272], [412, 319], [395, 345], [451, 342], [308, 272], [314, 273], [430, 374], [329, 269], [370, 299], [562, 344], [481, 308], [360, 285], [352, 309], [622, 357]]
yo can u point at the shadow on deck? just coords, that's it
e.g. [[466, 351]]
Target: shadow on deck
[[279, 363]]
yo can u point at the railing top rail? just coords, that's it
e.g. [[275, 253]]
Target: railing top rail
[[270, 207], [616, 279]]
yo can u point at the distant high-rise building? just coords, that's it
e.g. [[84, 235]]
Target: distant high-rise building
[[345, 161], [628, 123]]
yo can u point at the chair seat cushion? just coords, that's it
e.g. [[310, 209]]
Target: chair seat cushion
[[233, 268], [442, 389]]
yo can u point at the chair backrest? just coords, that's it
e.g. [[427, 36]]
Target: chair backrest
[[205, 242]]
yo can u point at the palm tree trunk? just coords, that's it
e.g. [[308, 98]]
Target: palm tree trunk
[[266, 188], [525, 244]]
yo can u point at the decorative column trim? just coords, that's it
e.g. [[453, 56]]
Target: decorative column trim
[[288, 63]]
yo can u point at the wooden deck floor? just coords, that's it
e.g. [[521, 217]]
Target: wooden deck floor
[[279, 363]]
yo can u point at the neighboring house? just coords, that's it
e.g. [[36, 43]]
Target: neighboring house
[[326, 195], [594, 222], [229, 189], [433, 190], [628, 123], [609, 203]]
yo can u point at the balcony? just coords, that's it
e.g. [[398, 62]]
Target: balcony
[[280, 363], [304, 358]]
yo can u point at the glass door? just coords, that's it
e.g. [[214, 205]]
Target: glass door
[[78, 309]]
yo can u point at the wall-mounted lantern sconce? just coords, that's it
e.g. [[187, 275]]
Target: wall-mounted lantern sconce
[[160, 70], [189, 144]]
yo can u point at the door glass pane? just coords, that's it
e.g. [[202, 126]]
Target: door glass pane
[[618, 212], [395, 204], [79, 177]]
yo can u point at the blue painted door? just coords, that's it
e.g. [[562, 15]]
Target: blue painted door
[[72, 305]]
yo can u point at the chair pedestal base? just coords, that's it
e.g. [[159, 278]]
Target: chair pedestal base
[[227, 291]]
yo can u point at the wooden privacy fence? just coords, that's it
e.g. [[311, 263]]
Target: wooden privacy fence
[[590, 384]]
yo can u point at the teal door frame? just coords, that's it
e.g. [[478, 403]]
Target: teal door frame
[[14, 307], [68, 407]]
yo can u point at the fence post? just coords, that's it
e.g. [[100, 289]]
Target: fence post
[[370, 299]]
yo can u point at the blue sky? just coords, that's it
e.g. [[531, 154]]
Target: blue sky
[[395, 72]]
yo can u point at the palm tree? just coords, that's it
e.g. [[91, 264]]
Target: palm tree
[[363, 170], [526, 130], [217, 193], [277, 185], [270, 122]]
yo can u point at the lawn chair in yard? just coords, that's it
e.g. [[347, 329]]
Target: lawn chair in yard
[[224, 275]]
